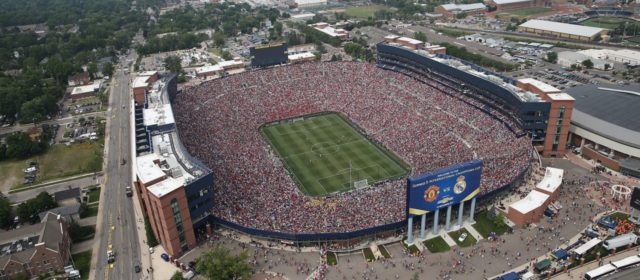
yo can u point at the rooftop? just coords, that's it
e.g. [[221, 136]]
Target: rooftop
[[86, 89], [544, 87], [147, 169], [551, 180], [608, 110], [301, 55], [165, 186], [503, 2], [573, 29], [532, 201], [140, 81], [463, 7], [66, 194], [159, 115], [560, 96]]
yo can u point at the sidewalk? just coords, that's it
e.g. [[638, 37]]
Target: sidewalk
[[89, 221], [473, 231], [578, 272], [56, 181], [82, 246]]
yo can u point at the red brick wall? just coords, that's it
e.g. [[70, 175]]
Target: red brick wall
[[13, 269], [171, 240], [45, 260], [138, 95], [610, 163], [552, 126]]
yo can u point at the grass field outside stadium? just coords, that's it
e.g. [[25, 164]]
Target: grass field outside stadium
[[606, 22], [325, 154]]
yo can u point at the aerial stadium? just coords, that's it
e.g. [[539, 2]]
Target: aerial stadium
[[323, 151]]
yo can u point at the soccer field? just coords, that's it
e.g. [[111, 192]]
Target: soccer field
[[324, 154]]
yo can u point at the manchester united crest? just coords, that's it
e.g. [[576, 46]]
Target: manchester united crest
[[431, 193]]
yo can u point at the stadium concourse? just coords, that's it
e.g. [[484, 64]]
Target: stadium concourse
[[219, 123]]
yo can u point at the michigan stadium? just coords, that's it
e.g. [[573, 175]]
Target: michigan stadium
[[323, 150]]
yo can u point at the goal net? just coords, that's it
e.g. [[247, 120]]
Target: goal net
[[361, 184]]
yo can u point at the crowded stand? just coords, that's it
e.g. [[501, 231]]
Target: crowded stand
[[424, 122]]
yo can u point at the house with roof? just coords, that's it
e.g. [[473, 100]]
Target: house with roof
[[35, 250]]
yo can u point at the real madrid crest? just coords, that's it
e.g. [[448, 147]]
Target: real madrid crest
[[431, 193]]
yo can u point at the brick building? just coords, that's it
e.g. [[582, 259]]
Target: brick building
[[37, 249], [561, 108], [453, 10], [531, 208], [175, 190], [605, 127], [511, 5], [142, 83]]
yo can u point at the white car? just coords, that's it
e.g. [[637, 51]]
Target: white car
[[462, 237]]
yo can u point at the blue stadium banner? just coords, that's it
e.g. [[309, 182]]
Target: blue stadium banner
[[444, 187]]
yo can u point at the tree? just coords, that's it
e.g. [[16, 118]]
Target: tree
[[552, 57], [587, 63], [92, 68], [5, 212], [28, 211], [420, 36], [607, 67], [218, 263], [226, 55], [173, 64], [107, 69], [177, 276], [151, 237], [218, 38]]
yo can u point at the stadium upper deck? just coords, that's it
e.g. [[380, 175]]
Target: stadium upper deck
[[525, 108]]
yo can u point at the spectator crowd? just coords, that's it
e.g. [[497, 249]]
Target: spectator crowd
[[426, 123]]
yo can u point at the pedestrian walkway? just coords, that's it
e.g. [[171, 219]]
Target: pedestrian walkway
[[447, 238], [89, 221], [82, 246], [473, 231], [578, 272]]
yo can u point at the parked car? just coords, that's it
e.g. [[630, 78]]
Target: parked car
[[462, 237], [165, 257]]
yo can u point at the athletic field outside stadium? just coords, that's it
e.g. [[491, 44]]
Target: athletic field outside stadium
[[326, 154]]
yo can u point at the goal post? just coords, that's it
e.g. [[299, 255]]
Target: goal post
[[361, 184]]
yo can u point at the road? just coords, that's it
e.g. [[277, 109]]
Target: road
[[61, 121], [552, 40], [629, 274], [116, 227], [22, 196]]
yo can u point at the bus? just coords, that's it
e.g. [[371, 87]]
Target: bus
[[627, 262], [599, 272]]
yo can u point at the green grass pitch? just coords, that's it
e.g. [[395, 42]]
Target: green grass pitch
[[324, 153]]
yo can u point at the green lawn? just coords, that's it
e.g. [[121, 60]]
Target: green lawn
[[82, 233], [486, 224], [332, 259], [384, 252], [619, 216], [368, 255], [527, 12], [364, 11], [436, 245], [91, 211], [59, 161], [469, 241], [325, 154], [94, 195], [413, 249], [82, 263], [606, 22]]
